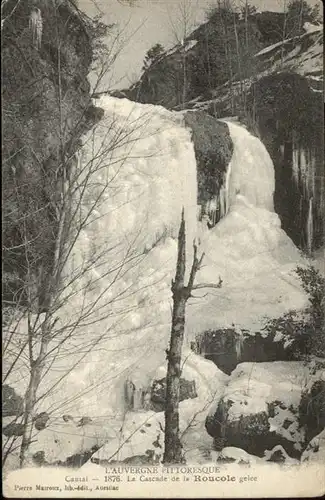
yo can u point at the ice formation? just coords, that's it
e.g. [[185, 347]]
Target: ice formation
[[145, 161]]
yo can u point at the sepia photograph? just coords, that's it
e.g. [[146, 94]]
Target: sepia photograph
[[163, 249]]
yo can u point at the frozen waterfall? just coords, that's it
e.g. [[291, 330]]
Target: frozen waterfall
[[250, 172], [247, 248], [144, 170]]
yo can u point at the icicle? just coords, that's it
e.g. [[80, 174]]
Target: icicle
[[295, 160], [310, 229], [239, 343], [138, 398], [304, 170], [225, 193], [36, 26]]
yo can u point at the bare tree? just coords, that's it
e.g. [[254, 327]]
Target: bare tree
[[182, 23], [42, 329], [181, 294]]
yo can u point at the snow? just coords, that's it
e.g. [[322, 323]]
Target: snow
[[270, 48], [237, 455], [190, 44], [142, 431], [146, 161], [253, 385], [309, 28], [304, 62], [278, 448]]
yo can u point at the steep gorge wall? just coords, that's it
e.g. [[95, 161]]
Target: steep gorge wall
[[289, 119], [46, 57]]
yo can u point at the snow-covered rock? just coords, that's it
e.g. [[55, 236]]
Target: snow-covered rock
[[260, 408], [315, 451], [279, 455], [141, 437], [230, 454]]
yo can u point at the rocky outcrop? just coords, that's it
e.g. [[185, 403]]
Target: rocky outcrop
[[260, 410], [312, 406], [213, 151], [228, 347], [206, 59], [46, 56], [277, 92], [289, 120], [41, 420], [158, 392]]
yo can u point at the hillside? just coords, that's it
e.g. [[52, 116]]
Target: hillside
[[275, 89]]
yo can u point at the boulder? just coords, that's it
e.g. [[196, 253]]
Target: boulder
[[280, 339], [13, 429], [158, 392], [260, 409]]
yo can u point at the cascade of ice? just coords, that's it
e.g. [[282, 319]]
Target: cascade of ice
[[143, 172], [250, 175], [304, 174], [148, 169], [247, 249]]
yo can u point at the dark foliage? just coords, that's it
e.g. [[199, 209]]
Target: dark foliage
[[12, 403]]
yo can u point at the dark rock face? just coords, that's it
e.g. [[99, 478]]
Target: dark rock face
[[196, 69], [158, 392], [213, 151], [289, 120], [227, 348], [46, 108], [249, 432], [12, 403], [312, 409]]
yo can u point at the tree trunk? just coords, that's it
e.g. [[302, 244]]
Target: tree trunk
[[36, 372], [173, 446]]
